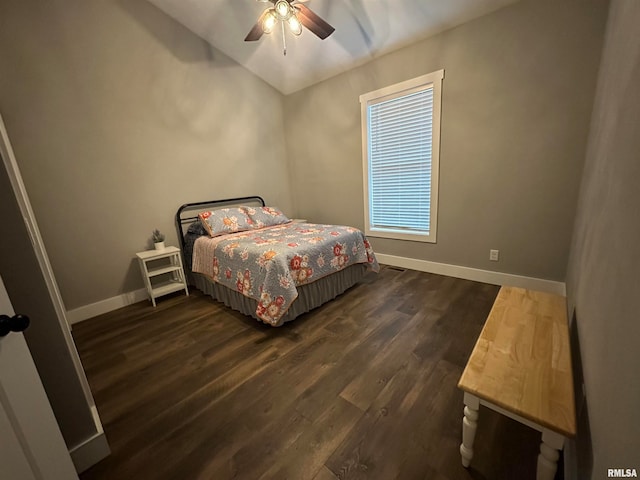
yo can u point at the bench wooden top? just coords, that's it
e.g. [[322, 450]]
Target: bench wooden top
[[522, 361]]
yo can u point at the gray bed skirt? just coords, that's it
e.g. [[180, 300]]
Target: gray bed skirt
[[310, 296]]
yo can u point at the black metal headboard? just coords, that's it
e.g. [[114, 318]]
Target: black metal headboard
[[185, 214]]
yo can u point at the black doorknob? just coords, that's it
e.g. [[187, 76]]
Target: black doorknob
[[17, 323]]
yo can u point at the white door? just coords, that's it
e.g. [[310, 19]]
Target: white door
[[31, 445]]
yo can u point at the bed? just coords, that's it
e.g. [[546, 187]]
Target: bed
[[254, 259]]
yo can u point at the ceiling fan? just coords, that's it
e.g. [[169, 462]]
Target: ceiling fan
[[295, 15]]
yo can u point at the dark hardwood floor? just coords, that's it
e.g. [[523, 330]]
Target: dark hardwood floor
[[363, 387]]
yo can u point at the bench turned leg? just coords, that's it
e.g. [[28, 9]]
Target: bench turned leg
[[469, 427], [549, 453]]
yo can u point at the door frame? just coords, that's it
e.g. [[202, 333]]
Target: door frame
[[96, 447]]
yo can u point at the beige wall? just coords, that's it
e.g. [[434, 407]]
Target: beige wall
[[517, 98], [604, 272], [118, 115]]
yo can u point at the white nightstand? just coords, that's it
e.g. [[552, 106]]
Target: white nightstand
[[162, 272]]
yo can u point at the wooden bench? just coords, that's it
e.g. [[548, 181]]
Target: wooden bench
[[521, 368]]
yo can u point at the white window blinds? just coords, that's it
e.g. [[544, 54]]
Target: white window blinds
[[401, 144], [400, 132]]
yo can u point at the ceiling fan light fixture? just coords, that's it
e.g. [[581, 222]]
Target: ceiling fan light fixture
[[283, 9], [294, 25], [295, 14], [269, 21]]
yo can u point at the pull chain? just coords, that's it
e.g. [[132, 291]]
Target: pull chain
[[284, 39]]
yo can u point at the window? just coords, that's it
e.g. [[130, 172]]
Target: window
[[401, 147]]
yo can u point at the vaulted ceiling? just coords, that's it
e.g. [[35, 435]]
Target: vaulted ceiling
[[364, 29]]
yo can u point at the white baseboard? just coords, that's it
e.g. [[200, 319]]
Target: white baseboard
[[104, 306], [92, 450], [486, 276], [475, 274]]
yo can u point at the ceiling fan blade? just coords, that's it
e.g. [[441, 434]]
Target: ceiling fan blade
[[313, 22], [256, 31]]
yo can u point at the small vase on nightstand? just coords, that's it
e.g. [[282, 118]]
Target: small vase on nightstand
[[159, 245]]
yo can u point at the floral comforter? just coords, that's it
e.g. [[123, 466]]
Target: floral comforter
[[267, 264]]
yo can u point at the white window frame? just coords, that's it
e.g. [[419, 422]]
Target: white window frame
[[431, 80]]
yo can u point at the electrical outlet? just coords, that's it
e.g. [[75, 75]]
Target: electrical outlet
[[494, 255]]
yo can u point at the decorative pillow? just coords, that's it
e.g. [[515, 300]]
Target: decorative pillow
[[225, 220], [266, 216]]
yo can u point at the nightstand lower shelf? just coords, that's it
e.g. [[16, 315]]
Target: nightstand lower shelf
[[164, 288]]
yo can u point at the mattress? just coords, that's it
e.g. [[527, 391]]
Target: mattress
[[265, 271]]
